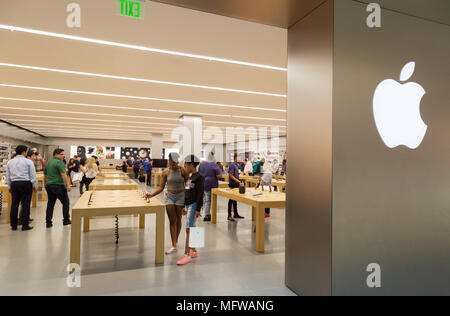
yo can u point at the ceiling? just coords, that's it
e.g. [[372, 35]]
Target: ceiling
[[122, 78], [280, 13]]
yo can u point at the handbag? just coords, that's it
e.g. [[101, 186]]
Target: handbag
[[77, 177]]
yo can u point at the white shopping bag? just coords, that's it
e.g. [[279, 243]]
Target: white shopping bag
[[197, 237]]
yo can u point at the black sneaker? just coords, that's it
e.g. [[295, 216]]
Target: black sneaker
[[239, 216], [231, 219], [207, 218], [25, 228], [14, 228], [68, 222], [49, 225]]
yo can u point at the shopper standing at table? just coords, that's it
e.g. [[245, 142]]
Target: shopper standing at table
[[129, 162], [97, 162], [175, 177], [57, 185], [124, 166], [91, 172], [70, 166], [233, 173], [83, 169], [148, 172], [248, 170], [136, 167], [21, 180], [30, 156], [193, 202], [212, 173]]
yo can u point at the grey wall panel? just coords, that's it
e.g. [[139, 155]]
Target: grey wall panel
[[435, 10], [390, 206], [308, 213]]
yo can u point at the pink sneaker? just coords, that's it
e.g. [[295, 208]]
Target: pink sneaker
[[194, 254], [184, 260]]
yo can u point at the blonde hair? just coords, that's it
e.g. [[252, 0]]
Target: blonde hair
[[91, 163]]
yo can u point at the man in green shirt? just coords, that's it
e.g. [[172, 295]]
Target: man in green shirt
[[57, 185]]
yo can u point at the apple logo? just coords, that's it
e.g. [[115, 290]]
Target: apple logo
[[396, 108]]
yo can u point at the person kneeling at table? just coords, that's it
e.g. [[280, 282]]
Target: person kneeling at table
[[193, 204]]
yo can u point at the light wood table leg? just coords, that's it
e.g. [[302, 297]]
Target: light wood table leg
[[141, 220], [34, 200], [253, 213], [213, 207], [44, 195], [75, 240], [260, 229], [9, 201], [155, 184], [160, 228], [86, 225]]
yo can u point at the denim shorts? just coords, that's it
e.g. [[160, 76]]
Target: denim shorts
[[175, 199], [190, 217]]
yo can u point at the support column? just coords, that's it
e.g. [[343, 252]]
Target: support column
[[191, 140], [157, 146]]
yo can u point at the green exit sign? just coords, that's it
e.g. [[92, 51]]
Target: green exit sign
[[132, 9]]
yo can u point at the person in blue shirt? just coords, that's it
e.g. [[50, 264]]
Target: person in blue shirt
[[234, 182], [21, 180], [148, 170], [212, 173], [129, 162], [136, 167]]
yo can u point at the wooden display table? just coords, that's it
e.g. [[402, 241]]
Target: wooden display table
[[113, 176], [259, 203], [7, 198], [250, 181], [111, 171], [113, 203], [108, 167], [40, 179], [280, 184], [223, 184], [156, 175], [109, 184], [278, 177], [113, 184]]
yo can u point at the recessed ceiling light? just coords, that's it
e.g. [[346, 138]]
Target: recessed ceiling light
[[140, 98], [140, 80], [141, 48]]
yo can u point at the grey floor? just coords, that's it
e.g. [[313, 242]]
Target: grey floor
[[34, 262]]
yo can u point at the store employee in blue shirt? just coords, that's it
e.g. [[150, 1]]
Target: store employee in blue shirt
[[21, 179], [234, 182]]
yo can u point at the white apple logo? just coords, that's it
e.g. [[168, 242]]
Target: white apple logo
[[396, 108]]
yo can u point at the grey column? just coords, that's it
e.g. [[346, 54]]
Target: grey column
[[157, 146]]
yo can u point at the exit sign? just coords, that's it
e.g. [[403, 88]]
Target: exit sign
[[134, 9]]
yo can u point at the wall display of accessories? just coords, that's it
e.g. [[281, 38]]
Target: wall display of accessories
[[5, 155]]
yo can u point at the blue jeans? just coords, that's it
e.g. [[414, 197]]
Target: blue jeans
[[190, 217], [207, 203]]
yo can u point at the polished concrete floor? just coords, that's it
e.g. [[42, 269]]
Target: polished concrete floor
[[35, 262]]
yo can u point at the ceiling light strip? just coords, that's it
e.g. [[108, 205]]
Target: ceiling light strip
[[134, 122], [137, 109], [136, 47], [140, 80], [140, 98]]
